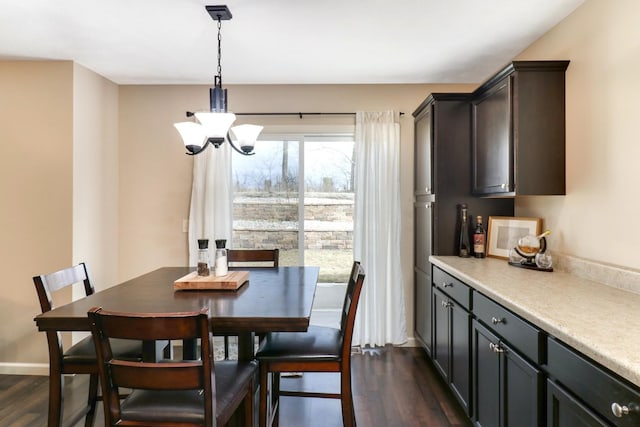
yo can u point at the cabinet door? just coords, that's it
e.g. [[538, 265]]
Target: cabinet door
[[522, 385], [565, 411], [486, 377], [440, 353], [423, 309], [492, 143], [422, 154], [459, 372], [423, 212]]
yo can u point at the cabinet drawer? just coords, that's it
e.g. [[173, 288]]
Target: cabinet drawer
[[592, 384], [453, 287], [523, 336]]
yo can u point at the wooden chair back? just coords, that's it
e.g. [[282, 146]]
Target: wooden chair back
[[46, 284], [162, 375], [253, 257], [350, 306]]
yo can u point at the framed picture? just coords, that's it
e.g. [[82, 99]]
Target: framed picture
[[504, 232]]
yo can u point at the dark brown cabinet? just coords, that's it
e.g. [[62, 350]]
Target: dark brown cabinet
[[564, 410], [505, 371], [423, 315], [507, 389], [583, 390], [518, 131], [451, 332], [442, 176]]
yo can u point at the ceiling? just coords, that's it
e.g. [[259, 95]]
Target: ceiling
[[280, 41]]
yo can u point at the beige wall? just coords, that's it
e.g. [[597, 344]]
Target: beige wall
[[598, 218], [36, 151], [59, 186], [155, 179], [95, 176]]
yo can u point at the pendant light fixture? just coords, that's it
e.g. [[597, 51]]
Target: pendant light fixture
[[214, 126]]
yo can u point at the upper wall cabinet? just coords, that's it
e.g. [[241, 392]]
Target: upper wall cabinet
[[518, 131]]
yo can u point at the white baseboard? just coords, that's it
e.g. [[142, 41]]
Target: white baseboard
[[411, 342], [24, 369]]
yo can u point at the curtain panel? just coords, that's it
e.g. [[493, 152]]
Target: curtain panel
[[381, 315], [210, 214]]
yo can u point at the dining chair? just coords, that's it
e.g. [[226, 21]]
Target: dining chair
[[169, 392], [250, 258], [320, 349], [79, 358], [253, 257]]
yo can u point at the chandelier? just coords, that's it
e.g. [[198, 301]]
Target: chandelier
[[214, 126]]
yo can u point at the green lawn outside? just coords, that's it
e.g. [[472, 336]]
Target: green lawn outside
[[335, 265]]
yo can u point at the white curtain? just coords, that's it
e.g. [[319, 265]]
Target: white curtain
[[210, 215], [381, 310]]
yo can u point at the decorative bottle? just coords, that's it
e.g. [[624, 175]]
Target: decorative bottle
[[203, 257], [464, 247], [479, 239], [221, 266]]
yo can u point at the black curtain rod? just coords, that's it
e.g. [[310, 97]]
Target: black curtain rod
[[299, 114]]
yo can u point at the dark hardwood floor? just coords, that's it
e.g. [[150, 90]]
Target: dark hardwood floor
[[392, 387]]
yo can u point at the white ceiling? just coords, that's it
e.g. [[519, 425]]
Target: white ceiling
[[280, 41]]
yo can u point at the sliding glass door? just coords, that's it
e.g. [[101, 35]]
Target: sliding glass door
[[296, 177]]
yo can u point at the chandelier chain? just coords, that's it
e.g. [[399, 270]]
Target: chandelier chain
[[219, 50]]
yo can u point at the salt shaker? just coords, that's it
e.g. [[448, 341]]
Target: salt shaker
[[221, 267]]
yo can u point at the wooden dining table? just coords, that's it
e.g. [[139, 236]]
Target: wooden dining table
[[273, 299]]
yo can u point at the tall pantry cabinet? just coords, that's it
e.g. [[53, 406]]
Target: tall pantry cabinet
[[442, 181]]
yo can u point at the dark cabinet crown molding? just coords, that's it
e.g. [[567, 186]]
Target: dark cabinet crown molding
[[514, 66]]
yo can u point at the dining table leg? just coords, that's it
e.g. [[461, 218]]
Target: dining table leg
[[152, 351], [246, 346]]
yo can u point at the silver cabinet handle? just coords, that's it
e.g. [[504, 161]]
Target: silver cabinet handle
[[446, 304], [495, 348], [619, 410], [447, 285], [427, 190], [496, 320]]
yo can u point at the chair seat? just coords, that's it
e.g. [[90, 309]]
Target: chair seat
[[319, 343], [84, 351], [187, 405]]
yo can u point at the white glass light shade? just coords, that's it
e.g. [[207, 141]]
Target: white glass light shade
[[216, 125], [246, 136], [193, 134]]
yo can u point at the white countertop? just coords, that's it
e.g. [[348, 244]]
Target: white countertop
[[600, 321]]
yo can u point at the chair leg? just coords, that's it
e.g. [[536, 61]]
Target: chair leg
[[93, 397], [248, 406], [275, 398], [346, 399], [56, 385], [263, 414]]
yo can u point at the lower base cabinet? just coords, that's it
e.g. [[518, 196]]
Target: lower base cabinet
[[507, 389], [423, 309], [451, 334], [507, 372], [583, 390], [563, 410]]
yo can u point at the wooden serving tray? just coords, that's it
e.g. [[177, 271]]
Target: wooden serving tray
[[232, 281]]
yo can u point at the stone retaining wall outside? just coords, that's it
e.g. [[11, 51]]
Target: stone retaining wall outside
[[266, 225]]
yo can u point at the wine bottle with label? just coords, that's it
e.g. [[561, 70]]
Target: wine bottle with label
[[479, 239], [464, 247]]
